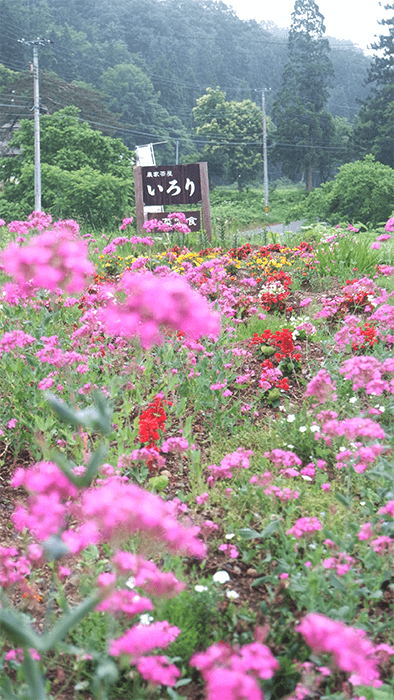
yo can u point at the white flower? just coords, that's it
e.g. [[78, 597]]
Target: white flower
[[200, 589], [302, 429], [221, 577], [306, 478], [230, 536], [130, 582], [314, 428], [291, 418], [291, 446], [353, 399], [146, 619], [232, 594]]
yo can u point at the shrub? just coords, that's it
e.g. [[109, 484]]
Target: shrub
[[362, 191]]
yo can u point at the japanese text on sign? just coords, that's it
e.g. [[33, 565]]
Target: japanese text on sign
[[176, 184]]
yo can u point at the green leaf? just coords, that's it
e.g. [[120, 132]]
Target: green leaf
[[96, 460], [273, 527], [7, 692], [55, 548], [64, 412], [248, 534], [67, 622], [18, 631], [342, 499], [33, 677]]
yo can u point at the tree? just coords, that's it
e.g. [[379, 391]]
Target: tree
[[374, 128], [84, 174], [303, 127], [233, 135], [130, 93]]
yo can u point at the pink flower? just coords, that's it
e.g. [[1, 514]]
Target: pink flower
[[375, 245], [305, 302], [322, 387], [304, 526], [149, 303], [158, 670], [232, 673], [350, 647], [141, 639], [51, 260], [203, 498], [230, 550], [390, 225]]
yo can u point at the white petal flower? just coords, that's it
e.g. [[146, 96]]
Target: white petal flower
[[221, 577], [232, 594], [146, 619], [200, 589]]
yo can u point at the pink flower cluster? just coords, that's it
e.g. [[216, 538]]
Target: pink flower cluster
[[367, 372], [351, 649], [322, 387], [140, 640], [233, 673], [342, 563], [121, 240], [304, 526], [54, 259], [147, 303], [112, 511], [235, 460], [147, 576]]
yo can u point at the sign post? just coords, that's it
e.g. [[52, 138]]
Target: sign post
[[172, 185]]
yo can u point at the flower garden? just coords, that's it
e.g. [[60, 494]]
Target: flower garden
[[196, 464]]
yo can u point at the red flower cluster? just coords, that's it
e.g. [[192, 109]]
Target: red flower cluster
[[266, 250], [151, 421], [283, 340], [275, 300], [353, 302], [366, 334], [240, 253]]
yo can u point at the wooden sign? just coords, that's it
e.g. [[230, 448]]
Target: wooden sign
[[171, 185]]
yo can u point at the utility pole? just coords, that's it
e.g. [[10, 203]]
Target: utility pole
[[263, 91], [35, 43]]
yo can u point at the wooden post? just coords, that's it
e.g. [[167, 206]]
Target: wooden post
[[139, 201], [205, 206]]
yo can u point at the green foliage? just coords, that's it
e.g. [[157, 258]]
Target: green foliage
[[362, 191], [234, 131], [193, 613], [84, 174]]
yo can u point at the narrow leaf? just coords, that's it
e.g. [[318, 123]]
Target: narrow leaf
[[67, 622], [33, 677], [18, 631], [271, 528], [248, 534]]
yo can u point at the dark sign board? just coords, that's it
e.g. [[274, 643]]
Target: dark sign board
[[171, 184], [193, 219]]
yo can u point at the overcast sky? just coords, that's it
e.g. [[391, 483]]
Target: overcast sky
[[356, 20]]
